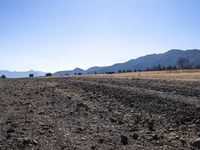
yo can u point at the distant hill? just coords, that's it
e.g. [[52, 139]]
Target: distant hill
[[20, 74], [149, 61], [69, 72]]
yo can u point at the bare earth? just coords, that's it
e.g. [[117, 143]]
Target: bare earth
[[99, 112]]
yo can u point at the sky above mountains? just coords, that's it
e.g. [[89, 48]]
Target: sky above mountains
[[52, 35]]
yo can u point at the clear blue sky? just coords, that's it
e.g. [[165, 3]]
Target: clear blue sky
[[52, 35]]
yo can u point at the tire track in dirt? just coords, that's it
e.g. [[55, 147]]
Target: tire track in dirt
[[116, 119], [178, 111], [110, 95], [186, 88]]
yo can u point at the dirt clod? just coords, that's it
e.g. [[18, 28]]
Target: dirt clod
[[124, 140]]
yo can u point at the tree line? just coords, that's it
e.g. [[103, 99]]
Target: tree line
[[182, 63]]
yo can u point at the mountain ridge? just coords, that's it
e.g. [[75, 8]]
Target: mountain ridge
[[168, 58], [21, 74]]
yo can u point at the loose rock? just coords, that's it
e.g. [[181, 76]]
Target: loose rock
[[196, 143], [124, 140]]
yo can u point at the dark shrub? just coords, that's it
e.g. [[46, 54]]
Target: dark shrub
[[111, 72], [3, 76], [31, 75], [48, 74], [197, 67], [119, 71]]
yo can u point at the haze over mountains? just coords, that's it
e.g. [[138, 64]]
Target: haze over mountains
[[20, 74], [149, 61], [169, 58]]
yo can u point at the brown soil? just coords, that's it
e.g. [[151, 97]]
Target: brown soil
[[98, 113]]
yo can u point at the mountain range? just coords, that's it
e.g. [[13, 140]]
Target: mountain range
[[169, 58], [20, 74]]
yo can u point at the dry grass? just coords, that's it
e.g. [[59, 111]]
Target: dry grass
[[168, 75]]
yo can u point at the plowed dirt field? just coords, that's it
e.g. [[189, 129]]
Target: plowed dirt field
[[86, 113]]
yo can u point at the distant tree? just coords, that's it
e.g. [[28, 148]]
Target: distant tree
[[163, 68], [147, 69], [169, 67], [174, 68], [119, 71], [159, 67], [197, 67], [183, 63], [79, 73], [111, 72], [48, 74], [31, 75], [3, 76]]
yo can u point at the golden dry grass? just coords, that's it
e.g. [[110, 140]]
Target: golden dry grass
[[168, 75]]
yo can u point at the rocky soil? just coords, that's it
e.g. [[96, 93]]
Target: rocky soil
[[83, 113]]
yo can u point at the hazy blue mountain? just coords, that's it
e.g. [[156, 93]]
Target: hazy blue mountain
[[94, 69], [69, 72], [165, 59], [149, 61], [20, 74]]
